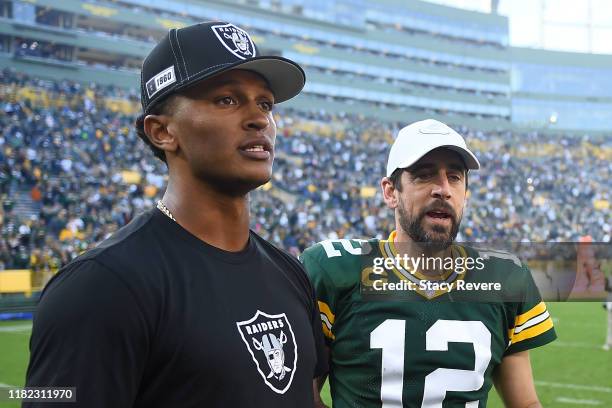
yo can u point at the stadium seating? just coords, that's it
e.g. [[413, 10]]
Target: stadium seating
[[72, 171]]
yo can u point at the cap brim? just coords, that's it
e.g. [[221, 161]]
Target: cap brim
[[471, 162], [285, 77]]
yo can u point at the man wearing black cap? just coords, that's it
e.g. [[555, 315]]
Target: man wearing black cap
[[185, 306]]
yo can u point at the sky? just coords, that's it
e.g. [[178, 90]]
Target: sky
[[569, 25]]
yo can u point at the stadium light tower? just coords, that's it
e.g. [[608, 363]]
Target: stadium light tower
[[542, 21], [590, 25], [494, 6]]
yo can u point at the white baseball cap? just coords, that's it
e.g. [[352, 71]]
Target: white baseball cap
[[419, 138]]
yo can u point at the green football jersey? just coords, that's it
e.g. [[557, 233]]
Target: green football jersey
[[428, 346]]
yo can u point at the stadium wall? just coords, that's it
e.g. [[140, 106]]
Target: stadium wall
[[561, 90], [400, 61]]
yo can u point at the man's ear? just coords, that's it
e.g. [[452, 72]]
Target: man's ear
[[156, 128], [389, 193]]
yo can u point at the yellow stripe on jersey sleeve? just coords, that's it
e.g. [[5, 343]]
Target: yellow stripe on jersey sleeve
[[327, 319], [536, 310], [325, 309], [532, 331], [530, 324]]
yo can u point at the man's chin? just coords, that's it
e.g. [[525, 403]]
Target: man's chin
[[260, 175], [438, 237], [242, 185], [261, 180], [435, 245], [251, 184], [438, 232]]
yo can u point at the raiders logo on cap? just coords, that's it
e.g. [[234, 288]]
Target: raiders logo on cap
[[235, 40]]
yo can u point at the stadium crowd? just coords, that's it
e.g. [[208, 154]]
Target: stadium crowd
[[86, 173]]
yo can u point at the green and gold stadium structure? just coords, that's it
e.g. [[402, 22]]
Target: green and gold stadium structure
[[393, 60]]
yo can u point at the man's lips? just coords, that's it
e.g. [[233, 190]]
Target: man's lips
[[440, 215], [438, 220], [258, 149]]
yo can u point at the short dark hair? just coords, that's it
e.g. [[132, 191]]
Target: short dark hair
[[163, 107], [396, 179]]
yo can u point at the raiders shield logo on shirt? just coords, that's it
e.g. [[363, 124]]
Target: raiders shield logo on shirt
[[271, 342], [235, 39]]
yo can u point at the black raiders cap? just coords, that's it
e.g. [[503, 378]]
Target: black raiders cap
[[193, 53]]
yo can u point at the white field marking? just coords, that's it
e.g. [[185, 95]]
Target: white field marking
[[596, 388], [7, 385], [16, 329], [578, 401]]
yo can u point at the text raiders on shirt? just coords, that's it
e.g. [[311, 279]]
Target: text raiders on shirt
[[271, 342]]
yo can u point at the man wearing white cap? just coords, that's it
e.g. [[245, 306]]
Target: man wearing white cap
[[417, 320]]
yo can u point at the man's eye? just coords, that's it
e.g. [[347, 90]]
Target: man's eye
[[267, 106], [227, 100]]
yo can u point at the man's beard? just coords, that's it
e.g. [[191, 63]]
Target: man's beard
[[413, 226]]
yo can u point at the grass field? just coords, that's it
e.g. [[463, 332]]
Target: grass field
[[571, 372]]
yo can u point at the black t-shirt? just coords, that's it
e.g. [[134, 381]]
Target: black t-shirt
[[155, 317]]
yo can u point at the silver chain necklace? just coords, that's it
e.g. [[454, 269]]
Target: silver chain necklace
[[162, 207]]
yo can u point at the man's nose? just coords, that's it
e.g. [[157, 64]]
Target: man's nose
[[256, 118], [441, 188]]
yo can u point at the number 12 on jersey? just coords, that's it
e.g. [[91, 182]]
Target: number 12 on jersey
[[390, 337]]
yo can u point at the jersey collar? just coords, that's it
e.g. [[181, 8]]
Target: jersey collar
[[389, 250]]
